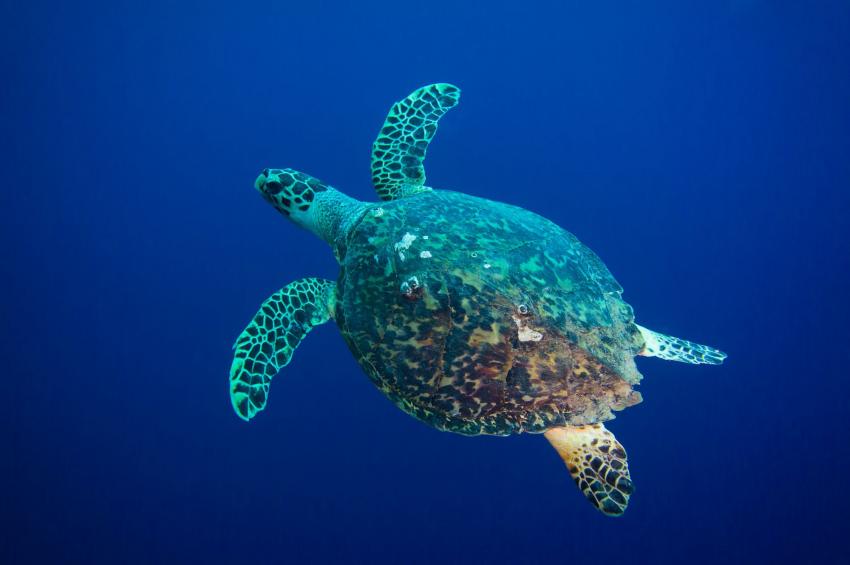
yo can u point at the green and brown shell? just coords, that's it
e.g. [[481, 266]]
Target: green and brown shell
[[479, 317]]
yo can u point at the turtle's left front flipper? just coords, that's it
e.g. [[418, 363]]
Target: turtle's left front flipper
[[267, 344], [398, 154], [598, 464]]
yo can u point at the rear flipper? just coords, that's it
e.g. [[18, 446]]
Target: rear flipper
[[597, 462], [675, 349]]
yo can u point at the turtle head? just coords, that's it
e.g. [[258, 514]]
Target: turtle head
[[310, 203]]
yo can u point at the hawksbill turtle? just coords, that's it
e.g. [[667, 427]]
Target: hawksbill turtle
[[473, 316]]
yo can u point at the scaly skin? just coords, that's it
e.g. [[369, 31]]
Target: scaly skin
[[398, 154], [269, 341]]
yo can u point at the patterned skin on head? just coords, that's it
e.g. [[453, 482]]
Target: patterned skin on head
[[311, 204], [288, 190]]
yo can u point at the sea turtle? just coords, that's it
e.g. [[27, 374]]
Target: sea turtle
[[473, 316]]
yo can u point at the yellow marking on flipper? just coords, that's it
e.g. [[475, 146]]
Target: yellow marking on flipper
[[597, 463]]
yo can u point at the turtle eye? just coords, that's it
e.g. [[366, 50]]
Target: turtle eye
[[272, 187]]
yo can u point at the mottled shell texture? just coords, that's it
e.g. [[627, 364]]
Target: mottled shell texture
[[479, 317]]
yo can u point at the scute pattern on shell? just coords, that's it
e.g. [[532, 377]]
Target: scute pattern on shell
[[479, 317]]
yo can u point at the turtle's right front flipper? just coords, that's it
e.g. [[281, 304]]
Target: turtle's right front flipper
[[268, 342]]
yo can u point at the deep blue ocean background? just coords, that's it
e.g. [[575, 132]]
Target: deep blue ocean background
[[702, 149]]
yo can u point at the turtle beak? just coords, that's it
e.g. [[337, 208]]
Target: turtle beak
[[261, 180]]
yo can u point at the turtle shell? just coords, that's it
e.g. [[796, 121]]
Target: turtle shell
[[480, 317]]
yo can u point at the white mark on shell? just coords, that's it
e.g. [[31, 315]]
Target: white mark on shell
[[526, 334], [424, 237], [487, 265], [378, 212], [425, 254], [404, 244]]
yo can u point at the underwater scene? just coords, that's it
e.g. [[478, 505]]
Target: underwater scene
[[425, 282]]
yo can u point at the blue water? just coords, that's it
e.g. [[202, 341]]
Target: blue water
[[702, 149]]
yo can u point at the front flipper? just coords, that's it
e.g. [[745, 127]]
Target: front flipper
[[597, 463], [675, 349], [268, 342], [399, 151]]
